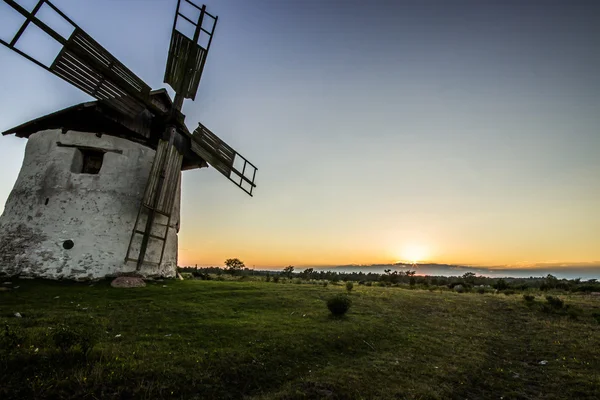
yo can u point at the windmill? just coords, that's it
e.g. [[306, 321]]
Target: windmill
[[125, 109]]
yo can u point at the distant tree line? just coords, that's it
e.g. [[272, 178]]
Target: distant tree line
[[408, 277]]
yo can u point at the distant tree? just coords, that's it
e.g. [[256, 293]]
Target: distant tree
[[234, 265], [288, 271], [549, 283], [469, 278], [394, 277], [307, 273], [551, 280]]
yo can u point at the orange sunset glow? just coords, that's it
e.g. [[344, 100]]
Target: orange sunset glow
[[428, 137]]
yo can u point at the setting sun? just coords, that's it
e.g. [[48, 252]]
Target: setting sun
[[414, 253]]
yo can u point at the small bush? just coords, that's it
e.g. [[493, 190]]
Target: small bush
[[339, 304], [325, 284], [528, 298], [596, 317], [481, 290], [66, 338], [268, 278], [369, 283], [349, 286], [501, 284], [573, 312], [297, 281], [200, 275], [276, 279], [508, 292], [555, 302], [11, 339]]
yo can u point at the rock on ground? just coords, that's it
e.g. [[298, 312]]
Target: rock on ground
[[127, 282]]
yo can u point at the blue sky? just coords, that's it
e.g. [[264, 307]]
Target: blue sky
[[450, 131]]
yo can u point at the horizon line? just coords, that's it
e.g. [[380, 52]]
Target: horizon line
[[532, 266]]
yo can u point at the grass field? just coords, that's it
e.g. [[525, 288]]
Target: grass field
[[211, 339]]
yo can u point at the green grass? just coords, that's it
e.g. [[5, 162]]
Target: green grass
[[209, 339]]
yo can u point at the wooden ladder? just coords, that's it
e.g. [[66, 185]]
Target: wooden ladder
[[159, 198]]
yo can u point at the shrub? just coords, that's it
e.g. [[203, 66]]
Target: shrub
[[480, 290], [325, 283], [596, 317], [65, 337], [573, 312], [555, 302], [11, 339], [267, 277], [297, 281], [200, 275], [349, 286], [501, 284], [588, 288], [508, 292], [339, 304], [529, 298], [369, 283], [276, 279]]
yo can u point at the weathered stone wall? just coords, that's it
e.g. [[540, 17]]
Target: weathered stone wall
[[52, 203]]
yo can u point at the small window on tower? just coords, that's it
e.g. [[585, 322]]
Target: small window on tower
[[92, 161], [88, 161]]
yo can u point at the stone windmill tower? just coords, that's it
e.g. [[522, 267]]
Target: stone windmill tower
[[99, 190]]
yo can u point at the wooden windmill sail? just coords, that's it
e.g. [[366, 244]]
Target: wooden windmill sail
[[88, 66]]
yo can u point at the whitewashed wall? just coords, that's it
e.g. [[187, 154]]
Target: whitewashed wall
[[50, 204]]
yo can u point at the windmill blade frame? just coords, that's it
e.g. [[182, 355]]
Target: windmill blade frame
[[223, 158], [186, 59], [85, 64]]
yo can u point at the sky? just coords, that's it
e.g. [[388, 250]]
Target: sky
[[459, 132]]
